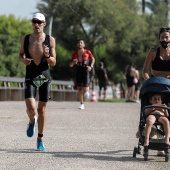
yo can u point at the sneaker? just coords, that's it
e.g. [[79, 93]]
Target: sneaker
[[161, 153], [40, 145], [86, 95], [81, 106], [137, 101], [31, 128]]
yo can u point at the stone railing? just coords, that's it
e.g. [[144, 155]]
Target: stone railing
[[12, 89]]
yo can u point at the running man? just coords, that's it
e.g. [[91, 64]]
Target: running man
[[80, 58], [37, 52]]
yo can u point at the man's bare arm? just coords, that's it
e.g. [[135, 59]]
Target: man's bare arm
[[50, 56]]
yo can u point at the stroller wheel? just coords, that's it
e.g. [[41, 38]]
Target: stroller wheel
[[167, 153], [145, 153], [145, 157], [139, 150], [135, 152], [166, 157]]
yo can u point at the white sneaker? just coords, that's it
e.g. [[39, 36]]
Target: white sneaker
[[86, 95], [81, 106], [137, 101]]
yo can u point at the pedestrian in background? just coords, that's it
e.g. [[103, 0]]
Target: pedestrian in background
[[130, 83], [102, 79], [136, 81]]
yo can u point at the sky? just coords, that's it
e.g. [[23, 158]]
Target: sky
[[19, 8]]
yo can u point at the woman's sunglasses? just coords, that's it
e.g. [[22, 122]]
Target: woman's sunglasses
[[37, 22], [164, 29]]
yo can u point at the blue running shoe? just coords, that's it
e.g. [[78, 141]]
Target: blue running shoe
[[31, 128], [40, 145]]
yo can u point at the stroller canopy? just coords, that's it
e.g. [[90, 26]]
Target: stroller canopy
[[156, 84]]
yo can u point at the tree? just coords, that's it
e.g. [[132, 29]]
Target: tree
[[97, 22], [143, 6], [11, 32], [113, 30], [155, 5]]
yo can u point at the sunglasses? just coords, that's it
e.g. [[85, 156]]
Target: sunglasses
[[164, 29], [37, 22]]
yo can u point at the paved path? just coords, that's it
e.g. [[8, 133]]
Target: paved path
[[101, 137]]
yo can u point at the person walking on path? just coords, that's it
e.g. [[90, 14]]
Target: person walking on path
[[80, 58], [37, 52], [130, 83], [136, 84], [103, 80], [157, 61]]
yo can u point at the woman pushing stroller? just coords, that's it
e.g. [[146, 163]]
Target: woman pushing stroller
[[158, 60], [158, 114]]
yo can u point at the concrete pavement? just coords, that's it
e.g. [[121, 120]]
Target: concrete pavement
[[101, 137]]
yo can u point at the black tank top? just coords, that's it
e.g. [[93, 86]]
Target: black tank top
[[160, 65], [34, 70]]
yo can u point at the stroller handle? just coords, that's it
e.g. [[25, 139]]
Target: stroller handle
[[155, 106]]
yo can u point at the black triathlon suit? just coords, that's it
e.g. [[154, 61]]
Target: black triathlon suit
[[82, 76], [33, 71]]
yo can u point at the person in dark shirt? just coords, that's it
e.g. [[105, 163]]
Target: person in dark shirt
[[130, 83], [37, 53], [103, 80], [158, 59]]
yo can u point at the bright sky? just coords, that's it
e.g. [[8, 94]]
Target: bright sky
[[20, 8]]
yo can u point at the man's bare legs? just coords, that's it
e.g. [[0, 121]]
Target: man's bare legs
[[81, 91], [104, 94], [99, 94], [32, 111], [80, 94], [41, 117], [85, 89]]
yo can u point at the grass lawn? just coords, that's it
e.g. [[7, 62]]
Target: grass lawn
[[114, 100]]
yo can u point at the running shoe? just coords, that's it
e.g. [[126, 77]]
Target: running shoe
[[137, 101], [81, 106], [31, 128], [40, 145]]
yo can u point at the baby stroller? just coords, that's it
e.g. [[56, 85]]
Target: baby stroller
[[159, 85]]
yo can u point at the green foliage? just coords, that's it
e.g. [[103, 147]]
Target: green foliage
[[11, 32], [114, 30], [11, 67], [62, 69]]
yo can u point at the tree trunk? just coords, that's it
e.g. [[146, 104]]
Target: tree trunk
[[143, 6], [50, 25]]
